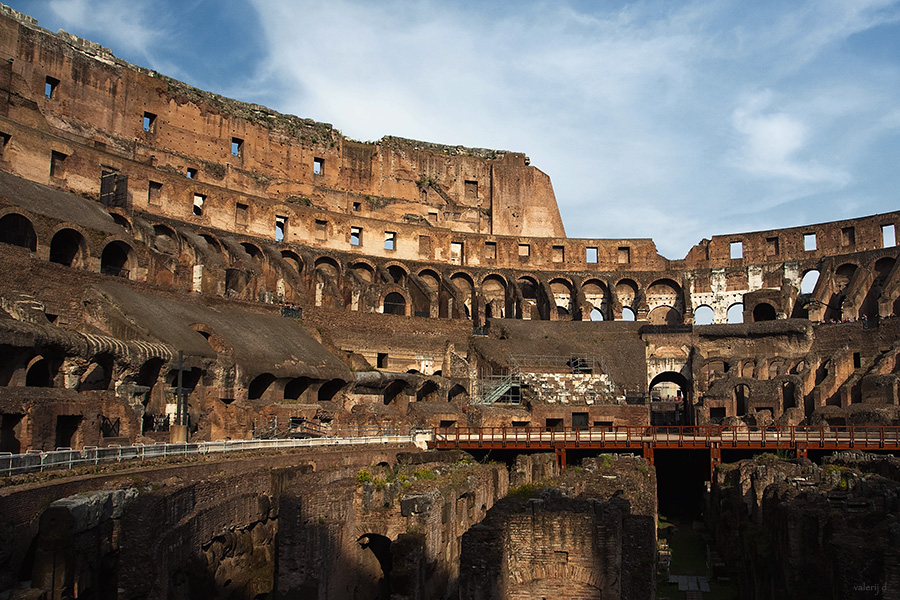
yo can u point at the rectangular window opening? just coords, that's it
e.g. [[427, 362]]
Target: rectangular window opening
[[433, 215], [280, 227], [737, 250], [149, 122], [772, 246], [240, 214], [624, 255], [490, 250], [809, 242], [356, 236], [50, 85], [356, 206], [191, 173], [848, 236], [154, 193], [524, 250], [857, 360], [237, 146], [57, 163], [559, 254], [888, 236], [590, 254], [390, 240], [382, 360], [321, 229], [199, 199], [456, 253], [471, 190], [318, 166]]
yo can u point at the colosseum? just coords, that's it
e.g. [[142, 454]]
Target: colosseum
[[181, 268]]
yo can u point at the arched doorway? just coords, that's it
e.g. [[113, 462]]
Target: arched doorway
[[763, 312], [67, 248], [669, 399], [116, 260], [394, 304], [17, 231]]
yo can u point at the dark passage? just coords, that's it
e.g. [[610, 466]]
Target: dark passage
[[680, 476]]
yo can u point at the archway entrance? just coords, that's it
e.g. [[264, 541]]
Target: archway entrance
[[669, 399]]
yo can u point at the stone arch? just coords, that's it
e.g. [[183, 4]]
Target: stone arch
[[663, 315], [393, 390], [215, 341], [69, 248], [704, 315], [464, 283], [260, 385], [363, 270], [296, 389], [398, 273], [120, 220], [713, 369], [493, 290], [627, 293], [431, 278], [117, 260], [328, 390], [530, 294], [166, 241], [254, 252], [395, 302], [763, 311], [628, 314], [98, 374], [596, 315], [666, 293], [735, 313], [457, 391], [882, 268], [327, 281], [17, 230], [670, 377], [39, 372], [596, 292], [563, 299], [429, 391], [293, 260]]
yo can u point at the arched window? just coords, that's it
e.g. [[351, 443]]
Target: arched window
[[18, 231], [67, 248], [704, 315], [736, 313], [116, 260], [394, 304], [627, 314], [763, 312]]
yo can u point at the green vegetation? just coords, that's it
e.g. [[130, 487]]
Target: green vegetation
[[526, 491]]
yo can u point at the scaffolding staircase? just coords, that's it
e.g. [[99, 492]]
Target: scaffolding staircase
[[494, 388]]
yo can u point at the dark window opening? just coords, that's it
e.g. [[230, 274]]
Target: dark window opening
[[259, 386], [4, 141], [356, 206], [329, 389], [580, 420], [17, 231], [382, 360], [471, 190], [149, 124], [394, 304], [848, 236], [857, 360], [559, 254], [154, 193], [66, 428], [554, 423], [10, 429], [318, 166], [490, 250], [717, 413], [295, 388], [240, 214], [113, 188], [521, 423], [39, 375], [65, 248], [57, 163], [115, 258], [50, 85], [446, 423], [772, 246], [191, 173], [764, 312], [321, 229], [237, 146]]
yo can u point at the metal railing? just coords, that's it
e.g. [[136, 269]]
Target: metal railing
[[67, 458], [872, 437]]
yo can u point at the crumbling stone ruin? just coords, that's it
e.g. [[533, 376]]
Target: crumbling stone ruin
[[809, 531], [160, 241]]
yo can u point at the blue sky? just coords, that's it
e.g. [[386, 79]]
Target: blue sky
[[663, 119]]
